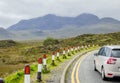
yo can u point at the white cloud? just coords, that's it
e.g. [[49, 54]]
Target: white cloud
[[11, 11]]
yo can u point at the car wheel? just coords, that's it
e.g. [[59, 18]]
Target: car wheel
[[95, 66], [103, 74]]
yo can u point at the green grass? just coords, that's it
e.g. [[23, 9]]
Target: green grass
[[18, 77], [12, 53]]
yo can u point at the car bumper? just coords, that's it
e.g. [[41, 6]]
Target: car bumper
[[113, 74], [110, 73]]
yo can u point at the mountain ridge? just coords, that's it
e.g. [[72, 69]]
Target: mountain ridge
[[4, 34], [51, 22], [59, 27]]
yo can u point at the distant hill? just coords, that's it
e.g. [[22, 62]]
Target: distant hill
[[53, 22], [59, 27], [4, 34]]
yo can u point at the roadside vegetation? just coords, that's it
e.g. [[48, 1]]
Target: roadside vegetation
[[101, 39], [15, 54]]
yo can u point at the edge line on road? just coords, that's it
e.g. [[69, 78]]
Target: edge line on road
[[76, 69], [73, 72]]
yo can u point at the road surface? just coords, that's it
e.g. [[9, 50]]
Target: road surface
[[82, 71]]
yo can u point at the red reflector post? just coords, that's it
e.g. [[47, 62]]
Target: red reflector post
[[53, 53], [27, 69], [58, 51], [40, 61], [44, 56]]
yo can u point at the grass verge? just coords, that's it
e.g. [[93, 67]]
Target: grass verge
[[18, 77]]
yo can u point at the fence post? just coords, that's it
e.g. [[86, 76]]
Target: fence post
[[39, 70], [27, 74]]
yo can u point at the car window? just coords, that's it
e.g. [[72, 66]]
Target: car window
[[108, 51], [115, 53], [100, 51], [103, 52]]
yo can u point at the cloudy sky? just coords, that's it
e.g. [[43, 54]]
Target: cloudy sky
[[12, 11]]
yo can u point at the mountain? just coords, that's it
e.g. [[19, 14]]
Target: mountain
[[47, 22], [4, 34], [51, 22], [61, 27], [109, 20]]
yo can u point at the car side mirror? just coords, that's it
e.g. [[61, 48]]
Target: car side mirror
[[96, 54]]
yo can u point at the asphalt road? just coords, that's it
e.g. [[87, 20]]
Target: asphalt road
[[86, 73]]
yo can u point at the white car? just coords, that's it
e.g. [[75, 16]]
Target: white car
[[107, 61]]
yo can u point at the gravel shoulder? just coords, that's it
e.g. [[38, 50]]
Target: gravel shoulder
[[55, 74]]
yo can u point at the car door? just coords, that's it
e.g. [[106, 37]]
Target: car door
[[102, 58], [98, 59]]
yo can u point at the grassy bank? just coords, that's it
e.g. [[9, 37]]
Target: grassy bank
[[18, 77], [15, 54]]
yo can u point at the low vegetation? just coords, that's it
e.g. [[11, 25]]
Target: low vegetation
[[7, 43], [13, 55], [101, 39]]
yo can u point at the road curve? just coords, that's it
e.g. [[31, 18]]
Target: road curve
[[83, 72]]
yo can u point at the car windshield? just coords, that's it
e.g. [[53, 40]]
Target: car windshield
[[116, 53]]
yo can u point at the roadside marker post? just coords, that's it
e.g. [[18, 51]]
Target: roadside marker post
[[44, 62], [82, 47], [58, 54], [64, 53], [68, 51], [72, 50], [78, 48], [89, 45], [75, 49], [85, 46], [97, 45], [27, 74], [53, 58], [39, 70], [1, 80]]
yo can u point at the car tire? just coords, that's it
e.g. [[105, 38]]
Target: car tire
[[103, 74], [95, 66]]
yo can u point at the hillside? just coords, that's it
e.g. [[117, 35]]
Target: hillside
[[59, 27], [101, 39], [53, 22], [4, 34]]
